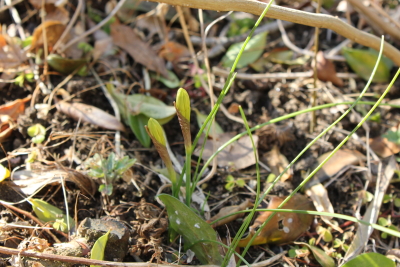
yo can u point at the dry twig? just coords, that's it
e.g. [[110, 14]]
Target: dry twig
[[77, 260], [296, 16]]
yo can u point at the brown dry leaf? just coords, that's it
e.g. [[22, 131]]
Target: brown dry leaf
[[174, 52], [14, 108], [238, 155], [283, 227], [54, 29], [102, 47], [90, 114], [53, 10], [317, 192], [277, 162], [228, 210], [233, 108], [11, 55], [383, 147], [6, 127], [29, 181], [126, 38], [320, 198], [326, 70], [38, 3], [341, 159]]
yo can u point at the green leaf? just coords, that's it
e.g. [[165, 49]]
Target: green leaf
[[65, 65], [396, 202], [229, 178], [383, 221], [393, 136], [137, 124], [337, 243], [85, 47], [201, 118], [229, 186], [38, 139], [240, 182], [193, 229], [327, 236], [320, 255], [240, 26], [48, 213], [97, 252], [36, 129], [251, 53], [370, 260], [124, 164], [362, 62], [171, 82], [106, 189], [142, 104]]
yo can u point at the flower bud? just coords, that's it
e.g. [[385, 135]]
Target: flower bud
[[156, 131], [183, 103]]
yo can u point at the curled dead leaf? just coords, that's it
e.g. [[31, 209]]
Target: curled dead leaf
[[53, 29], [90, 114], [14, 108], [30, 181], [283, 227], [6, 127], [326, 70]]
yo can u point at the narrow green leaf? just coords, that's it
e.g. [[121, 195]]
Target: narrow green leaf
[[252, 52], [171, 82], [370, 260], [48, 213], [362, 62], [137, 123], [65, 65], [97, 252], [320, 255], [142, 104], [193, 228]]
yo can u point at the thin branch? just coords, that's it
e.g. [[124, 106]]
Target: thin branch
[[375, 20], [296, 16], [78, 260]]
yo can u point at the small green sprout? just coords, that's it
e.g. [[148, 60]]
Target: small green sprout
[[388, 224], [109, 170], [325, 233], [20, 79], [37, 132], [49, 213], [231, 183]]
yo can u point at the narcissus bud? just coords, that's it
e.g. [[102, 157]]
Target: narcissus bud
[[156, 131], [183, 103]]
